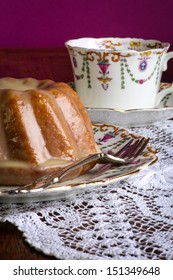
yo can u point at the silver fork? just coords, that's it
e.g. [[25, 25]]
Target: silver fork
[[125, 155]]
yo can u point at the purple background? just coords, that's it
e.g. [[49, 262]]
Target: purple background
[[43, 23]]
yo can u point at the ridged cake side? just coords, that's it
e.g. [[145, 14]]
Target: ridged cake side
[[44, 129]]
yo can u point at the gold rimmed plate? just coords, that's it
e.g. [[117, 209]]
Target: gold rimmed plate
[[109, 138]]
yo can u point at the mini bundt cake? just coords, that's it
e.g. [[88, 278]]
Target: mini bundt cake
[[43, 127]]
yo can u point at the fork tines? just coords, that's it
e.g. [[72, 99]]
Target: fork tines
[[133, 148]]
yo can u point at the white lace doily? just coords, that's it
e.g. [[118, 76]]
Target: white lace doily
[[130, 219]]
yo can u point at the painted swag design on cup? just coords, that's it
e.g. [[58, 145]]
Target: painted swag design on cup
[[119, 73]]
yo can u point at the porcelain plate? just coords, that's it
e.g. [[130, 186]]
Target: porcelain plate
[[109, 138]]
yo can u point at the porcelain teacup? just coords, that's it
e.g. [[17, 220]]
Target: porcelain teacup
[[119, 73]]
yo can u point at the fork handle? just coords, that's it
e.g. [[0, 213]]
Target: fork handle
[[44, 182], [99, 157]]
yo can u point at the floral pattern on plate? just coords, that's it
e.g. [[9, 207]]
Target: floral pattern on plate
[[109, 138]]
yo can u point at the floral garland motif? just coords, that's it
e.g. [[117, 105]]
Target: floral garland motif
[[124, 65], [103, 63], [85, 68]]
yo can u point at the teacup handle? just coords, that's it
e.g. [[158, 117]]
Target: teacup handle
[[164, 92], [167, 57]]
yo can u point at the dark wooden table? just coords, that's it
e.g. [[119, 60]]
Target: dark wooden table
[[40, 64]]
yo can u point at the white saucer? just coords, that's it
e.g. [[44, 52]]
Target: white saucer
[[137, 117]]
